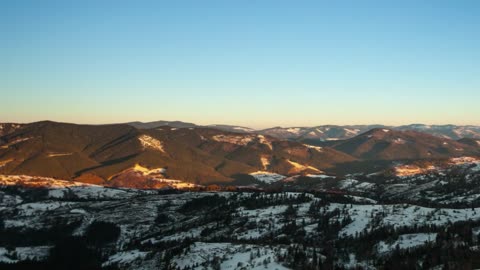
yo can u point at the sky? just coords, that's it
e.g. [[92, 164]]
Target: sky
[[251, 63]]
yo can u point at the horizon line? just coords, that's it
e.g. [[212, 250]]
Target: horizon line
[[243, 126]]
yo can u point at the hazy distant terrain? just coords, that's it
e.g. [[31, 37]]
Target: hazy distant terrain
[[330, 132]]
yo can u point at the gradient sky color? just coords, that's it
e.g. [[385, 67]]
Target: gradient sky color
[[252, 63]]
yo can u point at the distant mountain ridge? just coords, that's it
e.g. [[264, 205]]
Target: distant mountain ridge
[[453, 132], [323, 133], [390, 144], [329, 132], [156, 124], [333, 132], [180, 124]]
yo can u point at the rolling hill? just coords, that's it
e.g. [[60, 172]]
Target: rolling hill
[[389, 144], [99, 153], [320, 133]]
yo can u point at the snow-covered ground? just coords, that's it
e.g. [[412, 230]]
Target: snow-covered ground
[[406, 241], [208, 240], [355, 185], [126, 258], [24, 253], [91, 192], [321, 176], [398, 215], [230, 256]]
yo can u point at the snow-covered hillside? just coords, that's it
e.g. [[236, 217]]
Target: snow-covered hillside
[[359, 221], [229, 230]]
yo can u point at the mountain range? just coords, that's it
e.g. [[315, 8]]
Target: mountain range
[[328, 132], [136, 154]]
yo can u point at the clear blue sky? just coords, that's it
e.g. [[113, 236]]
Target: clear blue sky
[[252, 63]]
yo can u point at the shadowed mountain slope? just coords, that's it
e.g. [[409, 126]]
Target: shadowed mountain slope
[[199, 155]]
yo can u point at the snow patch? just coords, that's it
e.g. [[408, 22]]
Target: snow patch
[[297, 167], [125, 258], [5, 162], [152, 143], [178, 184], [146, 171], [321, 176], [265, 162], [234, 139], [16, 141], [267, 177], [59, 154], [294, 130], [410, 170], [158, 175], [352, 131], [243, 129], [37, 181], [265, 141], [318, 148]]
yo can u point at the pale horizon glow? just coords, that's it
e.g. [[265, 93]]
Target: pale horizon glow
[[259, 65]]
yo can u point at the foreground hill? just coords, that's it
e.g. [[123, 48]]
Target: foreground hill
[[100, 154], [353, 223]]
